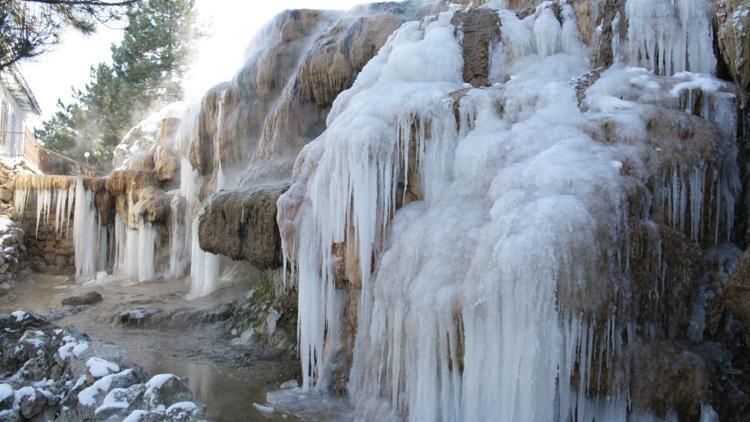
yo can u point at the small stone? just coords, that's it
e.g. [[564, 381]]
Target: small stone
[[89, 298]]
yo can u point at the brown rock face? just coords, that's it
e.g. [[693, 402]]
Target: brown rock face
[[166, 160], [341, 53], [667, 376], [480, 29], [217, 131], [152, 206], [123, 182], [738, 293], [166, 163], [733, 21], [241, 224], [279, 101], [589, 18]]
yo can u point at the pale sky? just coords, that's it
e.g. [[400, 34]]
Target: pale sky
[[232, 24]]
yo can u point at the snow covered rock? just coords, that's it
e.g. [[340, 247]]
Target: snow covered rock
[[185, 411], [32, 401], [166, 390], [120, 402], [52, 373]]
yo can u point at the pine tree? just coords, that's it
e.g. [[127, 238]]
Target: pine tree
[[146, 72], [29, 27]]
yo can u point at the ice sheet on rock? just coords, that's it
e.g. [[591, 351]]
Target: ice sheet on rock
[[205, 267], [135, 251], [266, 410], [512, 187], [419, 65]]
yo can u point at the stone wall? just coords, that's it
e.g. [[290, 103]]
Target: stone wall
[[12, 249], [11, 252], [48, 250]]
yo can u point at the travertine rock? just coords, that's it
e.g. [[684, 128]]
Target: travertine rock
[[733, 36], [480, 29], [241, 224]]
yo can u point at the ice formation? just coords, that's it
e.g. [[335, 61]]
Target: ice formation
[[90, 237], [670, 36], [204, 266], [49, 199], [485, 237], [493, 288]]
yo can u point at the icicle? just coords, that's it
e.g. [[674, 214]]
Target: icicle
[[204, 267], [547, 31], [146, 251], [20, 198], [121, 252], [178, 260], [670, 36], [89, 236]]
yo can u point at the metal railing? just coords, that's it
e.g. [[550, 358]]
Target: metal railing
[[23, 144]]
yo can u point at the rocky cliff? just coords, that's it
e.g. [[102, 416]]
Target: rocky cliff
[[533, 210]]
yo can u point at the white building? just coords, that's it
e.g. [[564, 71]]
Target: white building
[[17, 102]]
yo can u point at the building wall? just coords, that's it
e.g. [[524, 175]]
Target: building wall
[[12, 124]]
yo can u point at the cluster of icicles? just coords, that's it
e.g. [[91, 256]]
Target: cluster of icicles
[[473, 300], [116, 252], [98, 248]]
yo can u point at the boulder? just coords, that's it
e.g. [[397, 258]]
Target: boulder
[[136, 316], [93, 396], [166, 390], [89, 298], [241, 224], [119, 402], [185, 411], [33, 402]]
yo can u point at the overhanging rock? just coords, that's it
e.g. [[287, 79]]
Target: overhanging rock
[[241, 224]]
